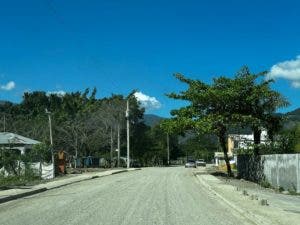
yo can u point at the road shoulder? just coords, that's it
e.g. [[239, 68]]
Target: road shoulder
[[245, 202], [16, 193]]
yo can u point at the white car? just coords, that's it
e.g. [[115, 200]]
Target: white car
[[190, 164], [200, 162]]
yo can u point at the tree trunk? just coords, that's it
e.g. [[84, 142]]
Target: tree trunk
[[256, 134], [222, 139]]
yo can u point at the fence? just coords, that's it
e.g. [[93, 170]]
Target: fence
[[45, 170]]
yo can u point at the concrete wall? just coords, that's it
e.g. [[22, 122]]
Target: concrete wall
[[280, 170]]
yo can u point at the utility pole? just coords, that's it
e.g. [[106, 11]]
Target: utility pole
[[51, 141], [111, 146], [4, 123], [128, 144], [118, 145], [76, 149], [168, 149]]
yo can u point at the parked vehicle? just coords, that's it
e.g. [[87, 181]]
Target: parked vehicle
[[200, 162], [191, 164]]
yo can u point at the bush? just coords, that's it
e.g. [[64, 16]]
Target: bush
[[39, 153], [292, 190], [280, 189], [9, 159], [265, 184]]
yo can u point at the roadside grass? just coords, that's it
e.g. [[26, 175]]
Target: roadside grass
[[18, 181], [31, 178]]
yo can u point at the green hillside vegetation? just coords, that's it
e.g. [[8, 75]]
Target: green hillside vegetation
[[152, 120], [291, 129]]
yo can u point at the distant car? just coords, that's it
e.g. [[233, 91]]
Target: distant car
[[191, 164], [200, 162]]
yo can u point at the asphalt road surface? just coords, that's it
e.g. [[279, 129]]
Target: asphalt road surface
[[154, 196]]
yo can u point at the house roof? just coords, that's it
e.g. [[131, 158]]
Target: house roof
[[7, 138]]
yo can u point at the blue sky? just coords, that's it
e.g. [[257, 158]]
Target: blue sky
[[117, 46]]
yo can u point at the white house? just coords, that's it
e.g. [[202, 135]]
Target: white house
[[14, 141], [242, 141], [238, 141]]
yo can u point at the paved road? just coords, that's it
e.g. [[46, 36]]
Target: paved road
[[152, 196]]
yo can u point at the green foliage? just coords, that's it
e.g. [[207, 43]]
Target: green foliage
[[30, 177], [280, 189], [150, 146], [9, 160], [296, 134], [293, 190], [244, 100], [211, 109], [257, 100], [286, 141], [265, 184], [82, 126], [39, 153], [200, 147]]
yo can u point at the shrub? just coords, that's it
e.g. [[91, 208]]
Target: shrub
[[280, 189], [265, 184]]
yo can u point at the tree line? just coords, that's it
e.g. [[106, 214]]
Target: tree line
[[84, 125]]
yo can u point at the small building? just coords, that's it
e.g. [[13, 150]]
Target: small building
[[242, 141], [235, 142], [20, 144], [17, 142]]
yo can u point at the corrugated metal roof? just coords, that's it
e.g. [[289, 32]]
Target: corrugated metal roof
[[7, 138]]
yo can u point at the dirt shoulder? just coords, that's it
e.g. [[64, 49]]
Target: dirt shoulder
[[263, 205]]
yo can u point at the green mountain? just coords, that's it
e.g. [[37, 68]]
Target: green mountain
[[294, 115], [292, 119], [152, 120]]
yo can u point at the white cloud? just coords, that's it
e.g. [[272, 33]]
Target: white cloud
[[146, 101], [289, 70], [9, 86], [296, 84], [58, 93]]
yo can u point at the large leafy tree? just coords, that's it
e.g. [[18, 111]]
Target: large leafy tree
[[207, 111], [239, 101], [255, 98]]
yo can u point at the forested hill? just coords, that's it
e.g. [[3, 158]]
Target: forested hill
[[152, 120], [292, 118], [294, 115]]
